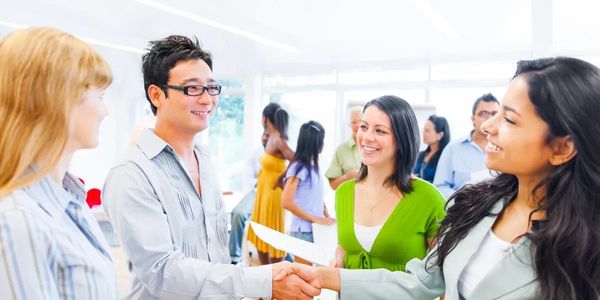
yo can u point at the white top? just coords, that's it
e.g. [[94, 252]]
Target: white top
[[491, 251], [366, 235]]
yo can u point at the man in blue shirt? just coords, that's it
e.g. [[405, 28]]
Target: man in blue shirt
[[164, 199], [462, 162]]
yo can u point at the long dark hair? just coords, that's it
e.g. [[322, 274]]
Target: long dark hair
[[566, 246], [310, 144], [278, 117], [440, 124], [406, 135]]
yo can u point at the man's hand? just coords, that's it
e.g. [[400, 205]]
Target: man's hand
[[292, 281]]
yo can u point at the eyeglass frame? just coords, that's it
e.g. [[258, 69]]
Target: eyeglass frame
[[185, 89], [486, 114]]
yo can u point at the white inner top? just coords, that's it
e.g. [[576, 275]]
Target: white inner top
[[366, 235], [490, 252]]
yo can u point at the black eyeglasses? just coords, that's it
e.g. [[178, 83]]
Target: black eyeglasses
[[196, 90], [486, 114]]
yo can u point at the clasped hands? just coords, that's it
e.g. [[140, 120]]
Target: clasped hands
[[295, 281]]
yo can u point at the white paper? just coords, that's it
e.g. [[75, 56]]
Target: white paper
[[325, 237], [303, 249]]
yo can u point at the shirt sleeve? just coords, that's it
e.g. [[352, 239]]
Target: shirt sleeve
[[438, 213], [335, 169], [444, 178], [24, 272], [139, 219], [414, 283], [296, 170]]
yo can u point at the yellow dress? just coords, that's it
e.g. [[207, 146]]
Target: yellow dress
[[268, 209]]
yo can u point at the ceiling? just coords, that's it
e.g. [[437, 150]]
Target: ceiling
[[271, 36]]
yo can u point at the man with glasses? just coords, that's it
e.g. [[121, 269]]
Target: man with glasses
[[462, 162], [164, 200]]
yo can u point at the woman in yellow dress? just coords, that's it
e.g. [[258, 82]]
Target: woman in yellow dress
[[268, 209]]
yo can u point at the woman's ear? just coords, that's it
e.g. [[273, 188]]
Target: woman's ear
[[440, 135], [563, 150]]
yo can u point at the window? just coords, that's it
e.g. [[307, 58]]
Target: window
[[304, 80], [473, 70], [383, 76], [226, 141]]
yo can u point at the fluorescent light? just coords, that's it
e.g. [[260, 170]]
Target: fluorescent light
[[113, 46], [231, 29], [12, 25], [88, 40]]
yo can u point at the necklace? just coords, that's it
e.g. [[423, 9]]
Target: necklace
[[372, 204]]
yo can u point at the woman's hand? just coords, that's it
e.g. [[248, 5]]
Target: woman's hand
[[324, 220], [338, 261]]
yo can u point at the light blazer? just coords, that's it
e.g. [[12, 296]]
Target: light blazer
[[512, 278]]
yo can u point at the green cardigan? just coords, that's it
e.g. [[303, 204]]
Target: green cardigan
[[404, 234]]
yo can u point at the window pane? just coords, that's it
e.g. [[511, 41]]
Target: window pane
[[370, 77], [477, 71], [316, 79], [412, 96], [575, 25], [226, 140]]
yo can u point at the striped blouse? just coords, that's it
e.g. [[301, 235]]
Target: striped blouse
[[51, 247]]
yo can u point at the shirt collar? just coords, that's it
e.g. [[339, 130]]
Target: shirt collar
[[53, 197], [351, 143], [468, 138], [151, 144]]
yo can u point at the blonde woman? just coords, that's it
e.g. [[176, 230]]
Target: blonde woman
[[51, 87]]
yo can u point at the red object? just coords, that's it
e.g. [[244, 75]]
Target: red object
[[93, 197]]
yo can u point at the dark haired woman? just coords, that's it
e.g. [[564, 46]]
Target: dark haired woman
[[267, 208], [385, 216], [532, 232], [303, 191], [436, 134]]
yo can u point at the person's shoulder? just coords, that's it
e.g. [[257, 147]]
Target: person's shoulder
[[129, 172], [346, 187], [426, 190], [454, 146], [21, 215], [345, 146]]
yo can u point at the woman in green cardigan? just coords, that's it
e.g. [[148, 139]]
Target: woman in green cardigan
[[386, 217]]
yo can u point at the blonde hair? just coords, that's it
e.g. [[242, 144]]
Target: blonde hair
[[43, 75]]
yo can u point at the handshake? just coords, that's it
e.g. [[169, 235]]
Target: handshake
[[297, 281]]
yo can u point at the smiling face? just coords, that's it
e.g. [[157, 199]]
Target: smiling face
[[85, 120], [517, 136], [186, 113], [375, 138]]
